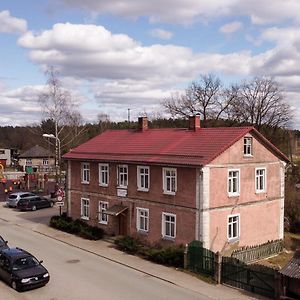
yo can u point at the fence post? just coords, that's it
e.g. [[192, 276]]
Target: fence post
[[218, 267], [278, 286], [185, 257]]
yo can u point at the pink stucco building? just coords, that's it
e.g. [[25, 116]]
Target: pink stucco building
[[222, 186]]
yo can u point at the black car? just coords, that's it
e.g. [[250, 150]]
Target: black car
[[21, 270], [34, 203], [3, 243]]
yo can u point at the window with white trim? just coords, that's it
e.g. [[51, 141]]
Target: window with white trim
[[247, 146], [142, 219], [85, 209], [169, 181], [103, 218], [143, 178], [103, 174], [45, 161], [233, 182], [260, 180], [28, 161], [85, 172], [122, 176], [168, 225], [233, 229]]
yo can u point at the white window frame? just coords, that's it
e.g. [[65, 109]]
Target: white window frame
[[122, 182], [28, 162], [166, 179], [142, 178], [142, 213], [230, 224], [103, 174], [85, 172], [248, 146], [85, 209], [164, 226], [258, 188], [102, 218], [45, 161], [230, 183]]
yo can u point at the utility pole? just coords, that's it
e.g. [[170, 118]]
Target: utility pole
[[128, 115]]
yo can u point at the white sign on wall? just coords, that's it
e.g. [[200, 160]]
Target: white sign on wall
[[121, 193]]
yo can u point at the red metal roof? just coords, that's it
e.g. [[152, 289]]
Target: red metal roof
[[163, 146]]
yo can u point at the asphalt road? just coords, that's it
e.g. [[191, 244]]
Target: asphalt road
[[77, 274]]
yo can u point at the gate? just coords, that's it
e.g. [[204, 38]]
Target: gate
[[253, 278], [200, 260]]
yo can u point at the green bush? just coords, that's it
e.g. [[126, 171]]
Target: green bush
[[77, 227], [171, 255]]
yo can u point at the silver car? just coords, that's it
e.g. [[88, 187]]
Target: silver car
[[13, 198]]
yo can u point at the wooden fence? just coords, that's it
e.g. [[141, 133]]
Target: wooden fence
[[255, 253]]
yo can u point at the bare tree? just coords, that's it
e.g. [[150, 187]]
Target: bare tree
[[58, 106], [260, 102], [205, 97]]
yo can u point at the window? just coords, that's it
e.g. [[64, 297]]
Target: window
[[168, 225], [103, 218], [85, 209], [143, 178], [169, 181], [103, 174], [45, 161], [123, 176], [85, 168], [233, 182], [233, 227], [28, 161], [260, 180], [248, 146], [142, 219]]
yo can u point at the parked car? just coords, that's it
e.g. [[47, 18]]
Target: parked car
[[21, 270], [13, 198], [34, 203], [3, 243]]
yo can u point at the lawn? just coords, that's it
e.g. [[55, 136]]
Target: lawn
[[291, 243]]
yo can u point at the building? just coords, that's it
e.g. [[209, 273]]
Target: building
[[37, 159], [5, 157], [222, 186]]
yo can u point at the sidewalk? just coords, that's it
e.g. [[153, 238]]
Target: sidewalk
[[106, 250]]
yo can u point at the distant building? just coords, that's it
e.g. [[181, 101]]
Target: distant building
[[37, 159], [5, 157], [222, 186]]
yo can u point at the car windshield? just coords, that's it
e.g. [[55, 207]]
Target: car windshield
[[25, 263], [12, 197]]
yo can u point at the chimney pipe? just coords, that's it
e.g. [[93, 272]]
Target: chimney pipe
[[143, 123], [194, 122]]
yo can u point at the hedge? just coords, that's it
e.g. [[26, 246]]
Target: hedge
[[77, 227]]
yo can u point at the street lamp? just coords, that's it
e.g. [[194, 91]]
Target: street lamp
[[57, 152]]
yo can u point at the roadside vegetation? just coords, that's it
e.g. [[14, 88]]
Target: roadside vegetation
[[167, 255], [77, 227]]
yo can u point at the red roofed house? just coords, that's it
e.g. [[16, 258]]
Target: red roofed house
[[222, 186]]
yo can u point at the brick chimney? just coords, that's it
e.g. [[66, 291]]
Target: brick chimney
[[143, 123], [194, 122]]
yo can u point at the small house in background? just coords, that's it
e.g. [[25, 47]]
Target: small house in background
[[221, 186], [291, 277], [37, 159], [5, 157]]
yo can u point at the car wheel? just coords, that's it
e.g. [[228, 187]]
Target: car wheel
[[15, 286], [33, 207]]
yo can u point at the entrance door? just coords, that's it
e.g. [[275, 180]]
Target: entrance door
[[123, 223]]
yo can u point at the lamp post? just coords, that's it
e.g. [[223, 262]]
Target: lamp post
[[57, 152]]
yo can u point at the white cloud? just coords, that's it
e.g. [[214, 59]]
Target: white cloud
[[9, 24], [161, 34], [190, 11], [231, 27]]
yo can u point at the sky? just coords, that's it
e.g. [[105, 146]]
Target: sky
[[118, 55]]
